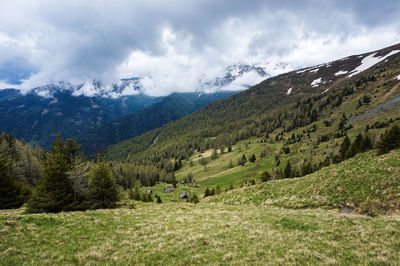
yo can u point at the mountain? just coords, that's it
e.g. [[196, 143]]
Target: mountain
[[73, 110], [166, 110], [37, 119], [232, 73], [278, 105]]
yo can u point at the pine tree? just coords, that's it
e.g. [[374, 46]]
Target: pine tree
[[265, 176], [288, 170], [242, 160], [307, 168], [252, 158], [158, 199], [207, 192], [355, 147], [11, 193], [54, 192], [194, 199], [102, 186], [390, 140], [344, 147]]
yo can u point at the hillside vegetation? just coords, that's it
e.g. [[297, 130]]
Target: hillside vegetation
[[168, 109], [366, 183]]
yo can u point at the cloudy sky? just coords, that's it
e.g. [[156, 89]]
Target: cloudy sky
[[176, 43]]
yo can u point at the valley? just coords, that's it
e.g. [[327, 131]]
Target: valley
[[302, 168]]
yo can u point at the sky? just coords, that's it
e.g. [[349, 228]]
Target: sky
[[174, 45]]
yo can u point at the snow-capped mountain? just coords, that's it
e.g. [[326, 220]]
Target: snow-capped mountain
[[93, 88], [233, 78]]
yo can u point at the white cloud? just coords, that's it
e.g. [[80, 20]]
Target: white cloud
[[178, 44]]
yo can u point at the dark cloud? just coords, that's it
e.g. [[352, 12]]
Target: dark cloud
[[176, 43]]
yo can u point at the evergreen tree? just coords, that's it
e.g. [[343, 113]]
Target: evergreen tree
[[390, 140], [366, 143], [207, 192], [102, 186], [307, 168], [242, 160], [158, 199], [355, 147], [288, 170], [54, 192], [11, 193], [252, 158], [265, 176], [344, 147], [190, 177], [194, 199]]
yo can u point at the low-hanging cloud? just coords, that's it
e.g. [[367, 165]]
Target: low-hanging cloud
[[175, 45]]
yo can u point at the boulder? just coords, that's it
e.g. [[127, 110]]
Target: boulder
[[168, 189]]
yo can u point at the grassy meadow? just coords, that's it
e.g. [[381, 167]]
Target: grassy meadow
[[287, 222], [180, 234]]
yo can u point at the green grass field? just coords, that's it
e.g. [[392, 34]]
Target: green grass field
[[287, 222], [366, 183], [179, 234]]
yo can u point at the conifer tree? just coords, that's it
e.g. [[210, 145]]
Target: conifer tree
[[102, 186], [11, 192], [265, 176], [344, 147], [252, 158], [242, 160], [54, 192], [194, 199], [158, 199], [390, 140], [288, 170], [207, 192]]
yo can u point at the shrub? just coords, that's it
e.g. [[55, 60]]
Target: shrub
[[194, 199], [265, 176]]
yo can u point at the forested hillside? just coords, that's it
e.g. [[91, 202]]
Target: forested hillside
[[156, 115], [37, 119], [324, 96]]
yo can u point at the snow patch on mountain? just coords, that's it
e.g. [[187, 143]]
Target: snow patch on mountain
[[316, 82], [289, 91], [370, 61], [341, 72]]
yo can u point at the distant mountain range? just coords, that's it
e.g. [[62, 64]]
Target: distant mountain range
[[156, 115], [74, 110]]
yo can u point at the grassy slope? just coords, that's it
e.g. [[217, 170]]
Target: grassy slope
[[244, 226], [176, 233], [365, 181]]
